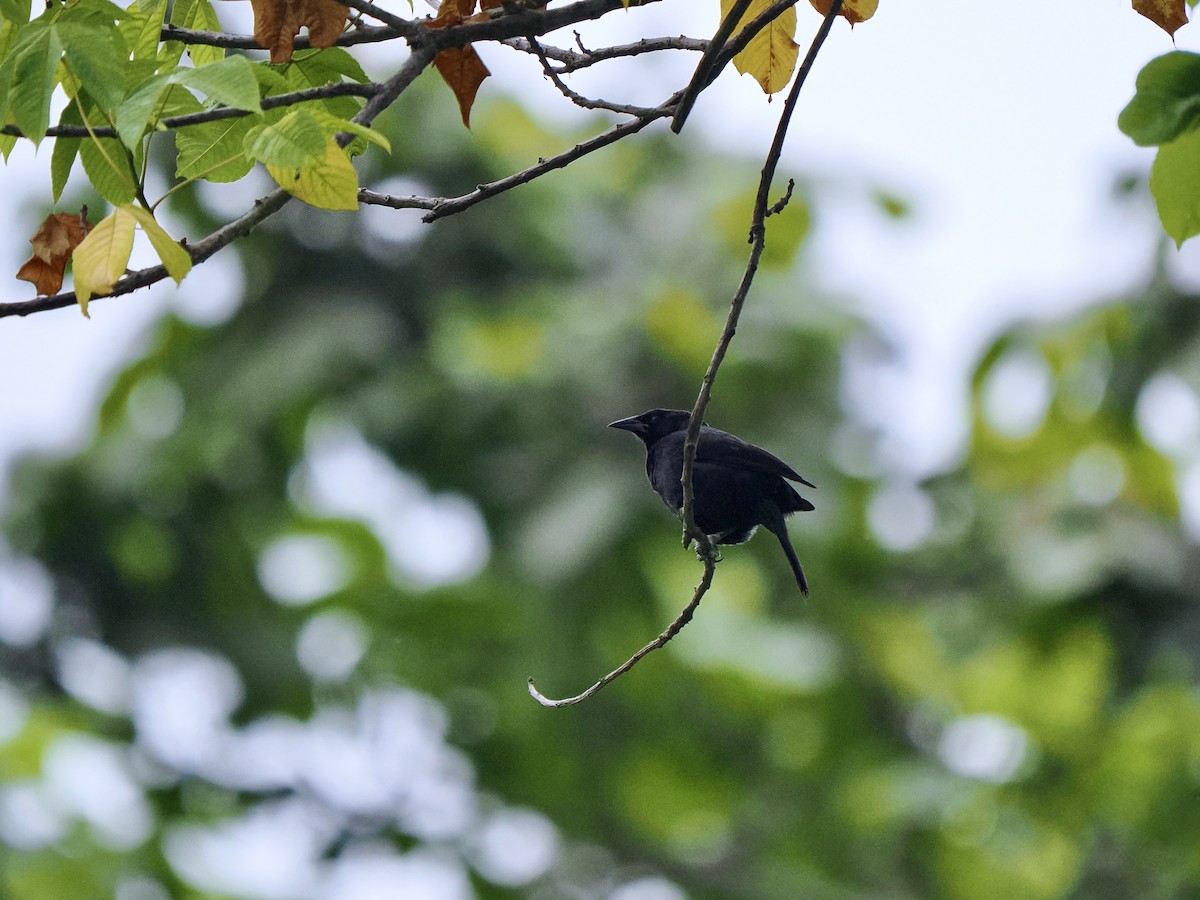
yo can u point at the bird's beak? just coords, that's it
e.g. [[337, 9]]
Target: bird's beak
[[633, 423]]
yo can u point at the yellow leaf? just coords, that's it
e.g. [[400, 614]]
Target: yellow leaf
[[102, 256], [329, 183], [176, 260], [1169, 15], [771, 56], [855, 11]]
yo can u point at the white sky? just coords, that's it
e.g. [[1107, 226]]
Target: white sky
[[998, 120]]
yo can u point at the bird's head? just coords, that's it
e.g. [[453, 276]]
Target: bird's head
[[654, 424]]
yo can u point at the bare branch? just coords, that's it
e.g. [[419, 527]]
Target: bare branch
[[718, 56], [706, 70], [757, 242], [392, 88], [580, 100], [412, 201], [572, 60], [402, 26], [443, 208], [661, 641]]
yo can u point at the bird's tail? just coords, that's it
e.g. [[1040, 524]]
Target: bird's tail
[[778, 527]]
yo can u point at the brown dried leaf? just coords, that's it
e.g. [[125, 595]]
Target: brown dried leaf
[[464, 71], [460, 67], [1169, 15], [53, 242], [853, 11], [277, 22], [451, 12]]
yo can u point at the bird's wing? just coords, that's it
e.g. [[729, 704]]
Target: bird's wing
[[724, 449]]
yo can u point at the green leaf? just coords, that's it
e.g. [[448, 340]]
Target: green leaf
[[62, 158], [36, 59], [311, 72], [179, 101], [139, 107], [271, 80], [1167, 101], [1175, 184], [330, 183], [94, 58], [176, 260], [16, 11], [328, 66], [145, 43], [294, 141], [199, 15], [94, 12], [107, 166], [103, 256], [8, 38], [332, 125], [230, 81], [214, 150]]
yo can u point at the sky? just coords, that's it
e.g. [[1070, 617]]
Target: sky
[[998, 123]]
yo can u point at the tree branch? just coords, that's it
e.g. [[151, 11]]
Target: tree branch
[[580, 100], [661, 641], [443, 207], [403, 26], [572, 61], [719, 53], [757, 242], [705, 71]]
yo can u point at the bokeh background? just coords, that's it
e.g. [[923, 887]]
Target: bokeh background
[[281, 547]]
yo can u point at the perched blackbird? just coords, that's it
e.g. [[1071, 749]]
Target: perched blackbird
[[737, 486]]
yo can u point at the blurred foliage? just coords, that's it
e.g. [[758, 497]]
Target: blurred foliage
[[286, 507]]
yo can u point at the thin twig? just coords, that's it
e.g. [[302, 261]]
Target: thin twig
[[573, 61], [718, 56], [401, 25], [757, 242], [444, 207], [580, 100], [704, 73], [661, 641], [706, 550]]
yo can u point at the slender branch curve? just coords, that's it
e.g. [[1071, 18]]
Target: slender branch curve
[[673, 629], [762, 209]]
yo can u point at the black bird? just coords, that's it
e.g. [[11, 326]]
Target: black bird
[[737, 486]]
